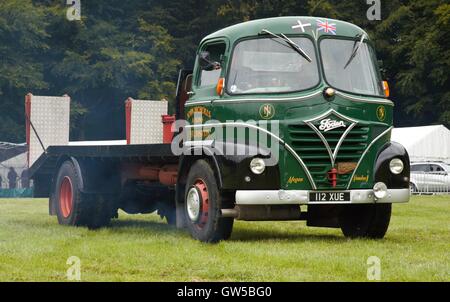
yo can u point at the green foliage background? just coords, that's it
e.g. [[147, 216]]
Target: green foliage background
[[136, 47]]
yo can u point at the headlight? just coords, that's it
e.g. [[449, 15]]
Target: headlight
[[380, 190], [257, 166], [396, 166]]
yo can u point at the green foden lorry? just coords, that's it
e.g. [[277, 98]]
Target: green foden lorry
[[311, 90]]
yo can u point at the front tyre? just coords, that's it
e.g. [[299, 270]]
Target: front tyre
[[203, 205], [365, 221]]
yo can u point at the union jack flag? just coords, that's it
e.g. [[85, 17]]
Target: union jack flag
[[326, 27]]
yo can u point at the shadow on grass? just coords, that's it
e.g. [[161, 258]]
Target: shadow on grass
[[141, 224], [248, 235], [116, 226], [239, 235]]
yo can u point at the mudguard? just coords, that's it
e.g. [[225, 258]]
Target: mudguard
[[382, 172], [232, 170]]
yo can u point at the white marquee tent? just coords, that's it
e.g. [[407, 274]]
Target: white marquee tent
[[428, 143]]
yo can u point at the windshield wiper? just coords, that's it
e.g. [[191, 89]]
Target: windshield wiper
[[355, 50], [291, 43]]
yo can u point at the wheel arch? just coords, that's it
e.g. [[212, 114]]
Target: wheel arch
[[382, 171], [94, 176], [186, 162]]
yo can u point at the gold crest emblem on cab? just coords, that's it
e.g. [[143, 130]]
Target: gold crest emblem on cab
[[381, 113], [267, 111]]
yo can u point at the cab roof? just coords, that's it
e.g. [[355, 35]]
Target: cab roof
[[312, 26]]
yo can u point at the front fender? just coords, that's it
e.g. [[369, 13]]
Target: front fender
[[382, 172], [231, 168]]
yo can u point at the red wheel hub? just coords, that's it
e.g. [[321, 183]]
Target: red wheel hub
[[203, 189], [66, 197]]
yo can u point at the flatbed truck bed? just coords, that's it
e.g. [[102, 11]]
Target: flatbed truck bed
[[150, 153]]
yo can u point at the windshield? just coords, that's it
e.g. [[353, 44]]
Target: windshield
[[359, 75], [271, 66]]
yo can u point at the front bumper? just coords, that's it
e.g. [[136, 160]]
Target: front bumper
[[301, 197]]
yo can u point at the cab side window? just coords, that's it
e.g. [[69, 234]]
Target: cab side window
[[211, 77]]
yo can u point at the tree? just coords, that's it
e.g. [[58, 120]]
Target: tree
[[23, 38], [135, 48], [416, 42]]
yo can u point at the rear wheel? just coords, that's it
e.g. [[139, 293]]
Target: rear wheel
[[365, 221], [66, 197], [412, 188], [203, 205], [74, 207]]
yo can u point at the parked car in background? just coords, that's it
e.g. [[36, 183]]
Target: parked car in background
[[430, 177]]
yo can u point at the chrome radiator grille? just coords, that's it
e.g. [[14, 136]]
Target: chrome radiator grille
[[309, 145]]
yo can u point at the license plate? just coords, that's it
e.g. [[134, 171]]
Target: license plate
[[329, 196]]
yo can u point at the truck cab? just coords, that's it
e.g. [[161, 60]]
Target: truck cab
[[317, 82]]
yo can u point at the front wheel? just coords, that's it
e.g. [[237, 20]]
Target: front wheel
[[365, 221], [203, 205]]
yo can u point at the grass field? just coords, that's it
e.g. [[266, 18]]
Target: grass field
[[34, 247]]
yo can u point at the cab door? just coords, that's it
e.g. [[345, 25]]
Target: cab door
[[199, 108]]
